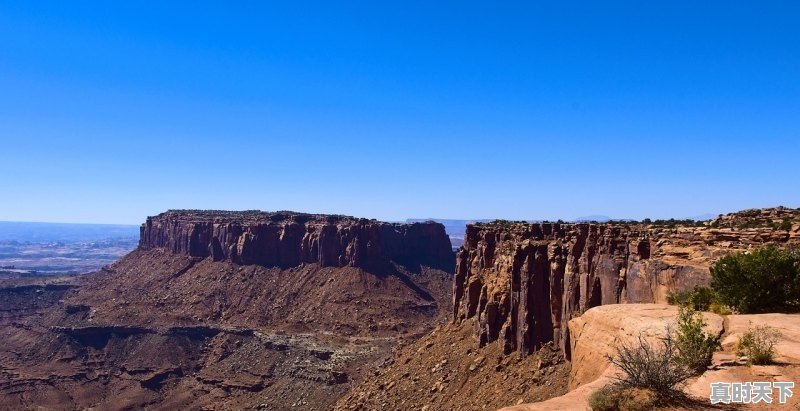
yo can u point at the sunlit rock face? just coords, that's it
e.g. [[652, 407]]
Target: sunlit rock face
[[287, 239], [522, 282]]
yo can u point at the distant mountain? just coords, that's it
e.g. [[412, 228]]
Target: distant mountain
[[598, 218]]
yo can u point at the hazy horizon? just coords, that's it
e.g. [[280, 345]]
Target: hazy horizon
[[598, 217]]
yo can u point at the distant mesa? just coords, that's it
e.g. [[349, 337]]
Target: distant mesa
[[287, 239]]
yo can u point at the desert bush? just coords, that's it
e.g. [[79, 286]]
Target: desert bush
[[750, 213], [758, 344], [760, 280], [700, 298], [605, 399], [695, 346], [653, 371], [785, 225], [651, 366], [672, 223], [721, 309], [616, 397], [678, 297]]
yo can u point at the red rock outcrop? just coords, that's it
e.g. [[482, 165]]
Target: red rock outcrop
[[287, 239], [522, 282]]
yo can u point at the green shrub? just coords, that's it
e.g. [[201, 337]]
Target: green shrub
[[651, 366], [652, 372], [700, 298], [616, 397], [752, 212], [695, 346], [760, 280], [672, 223], [758, 345], [678, 298], [720, 309], [605, 399]]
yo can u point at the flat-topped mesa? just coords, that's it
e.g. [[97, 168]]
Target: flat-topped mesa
[[522, 282], [287, 239]]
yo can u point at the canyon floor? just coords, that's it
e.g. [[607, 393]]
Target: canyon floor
[[206, 335]]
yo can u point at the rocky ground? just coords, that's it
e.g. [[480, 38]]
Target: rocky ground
[[446, 370], [271, 343], [156, 288]]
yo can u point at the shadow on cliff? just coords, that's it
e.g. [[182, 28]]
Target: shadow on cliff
[[415, 264], [403, 271]]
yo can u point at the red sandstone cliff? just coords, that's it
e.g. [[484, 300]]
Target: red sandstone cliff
[[287, 239], [521, 282]]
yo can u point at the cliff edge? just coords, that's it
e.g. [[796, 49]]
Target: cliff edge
[[287, 239], [521, 283]]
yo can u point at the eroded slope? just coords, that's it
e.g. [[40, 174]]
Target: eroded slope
[[172, 326]]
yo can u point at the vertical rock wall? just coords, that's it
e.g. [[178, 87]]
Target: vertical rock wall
[[521, 283], [287, 239]]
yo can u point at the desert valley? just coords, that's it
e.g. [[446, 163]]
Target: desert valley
[[222, 310]]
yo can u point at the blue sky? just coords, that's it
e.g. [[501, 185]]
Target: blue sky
[[519, 110]]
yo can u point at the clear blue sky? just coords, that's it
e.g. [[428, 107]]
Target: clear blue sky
[[519, 110]]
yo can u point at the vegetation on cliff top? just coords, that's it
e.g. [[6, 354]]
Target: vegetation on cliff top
[[762, 280], [653, 373], [776, 218]]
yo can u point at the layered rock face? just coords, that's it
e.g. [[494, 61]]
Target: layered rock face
[[287, 239], [521, 282]]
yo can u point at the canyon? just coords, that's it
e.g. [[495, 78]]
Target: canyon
[[519, 286], [285, 310], [226, 310]]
